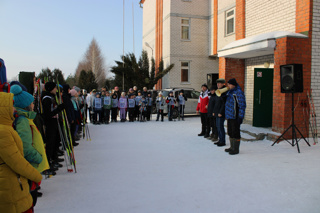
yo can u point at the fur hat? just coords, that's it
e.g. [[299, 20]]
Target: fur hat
[[73, 92], [214, 87], [204, 85], [49, 86], [21, 98], [221, 80]]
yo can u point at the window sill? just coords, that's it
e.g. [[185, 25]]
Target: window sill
[[185, 83], [230, 34], [185, 40]]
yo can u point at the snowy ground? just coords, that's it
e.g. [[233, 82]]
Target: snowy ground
[[165, 167]]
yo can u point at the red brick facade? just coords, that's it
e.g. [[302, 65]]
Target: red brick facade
[[240, 19], [290, 51], [232, 68]]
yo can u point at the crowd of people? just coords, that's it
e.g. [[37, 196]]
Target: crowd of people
[[135, 105], [218, 104], [34, 127]]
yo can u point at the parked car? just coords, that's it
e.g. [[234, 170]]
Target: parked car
[[191, 104]]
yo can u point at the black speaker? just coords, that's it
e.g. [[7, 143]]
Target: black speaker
[[291, 78], [26, 79]]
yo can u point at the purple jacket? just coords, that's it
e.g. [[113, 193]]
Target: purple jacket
[[123, 103]]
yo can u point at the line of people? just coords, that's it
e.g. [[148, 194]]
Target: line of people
[[214, 109], [136, 105]]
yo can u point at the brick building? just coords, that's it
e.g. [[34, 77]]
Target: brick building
[[245, 39]]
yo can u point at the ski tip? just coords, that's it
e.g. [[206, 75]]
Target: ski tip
[[70, 170]]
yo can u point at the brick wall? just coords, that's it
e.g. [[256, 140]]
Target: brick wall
[[250, 65], [266, 16], [289, 51], [232, 68], [315, 65]]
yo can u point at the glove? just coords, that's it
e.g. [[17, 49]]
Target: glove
[[61, 107], [240, 120]]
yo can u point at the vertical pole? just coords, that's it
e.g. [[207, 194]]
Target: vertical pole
[[133, 26], [123, 50]]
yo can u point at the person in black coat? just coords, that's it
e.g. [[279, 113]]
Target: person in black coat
[[66, 97], [211, 117], [50, 118], [219, 112]]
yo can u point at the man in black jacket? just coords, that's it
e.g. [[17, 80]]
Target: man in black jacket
[[211, 117], [66, 97], [50, 117], [219, 113]]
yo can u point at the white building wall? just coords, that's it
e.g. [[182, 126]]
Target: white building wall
[[148, 27], [250, 65], [315, 63], [273, 15], [223, 6], [196, 50]]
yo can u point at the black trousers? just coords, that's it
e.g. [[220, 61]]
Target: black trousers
[[148, 113], [160, 112], [52, 133], [137, 112], [131, 112], [233, 128], [205, 128], [106, 115], [212, 125], [114, 113]]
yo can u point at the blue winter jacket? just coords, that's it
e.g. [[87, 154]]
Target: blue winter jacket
[[235, 104], [3, 72]]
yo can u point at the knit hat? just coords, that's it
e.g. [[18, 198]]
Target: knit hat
[[73, 92], [214, 87], [233, 82], [49, 86], [18, 83], [21, 98], [204, 85], [221, 80]]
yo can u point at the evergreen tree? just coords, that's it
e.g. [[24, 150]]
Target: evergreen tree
[[46, 75], [71, 80], [57, 74]]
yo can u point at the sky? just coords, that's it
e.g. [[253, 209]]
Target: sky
[[37, 34]]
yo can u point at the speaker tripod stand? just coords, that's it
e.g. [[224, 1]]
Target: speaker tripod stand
[[295, 140]]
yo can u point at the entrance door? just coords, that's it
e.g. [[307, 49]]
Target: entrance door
[[263, 97]]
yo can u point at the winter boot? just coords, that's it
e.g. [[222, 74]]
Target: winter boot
[[231, 145], [214, 138], [203, 132], [236, 146]]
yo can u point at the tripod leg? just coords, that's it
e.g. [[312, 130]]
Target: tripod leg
[[302, 136], [281, 135]]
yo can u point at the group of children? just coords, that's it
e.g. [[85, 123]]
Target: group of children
[[138, 107]]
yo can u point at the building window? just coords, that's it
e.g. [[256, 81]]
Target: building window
[[185, 29], [230, 22], [184, 71]]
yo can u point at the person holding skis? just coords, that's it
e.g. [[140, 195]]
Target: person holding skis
[[235, 110], [181, 99], [50, 117], [202, 108], [160, 101], [170, 104]]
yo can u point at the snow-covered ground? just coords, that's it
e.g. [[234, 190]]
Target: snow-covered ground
[[165, 167]]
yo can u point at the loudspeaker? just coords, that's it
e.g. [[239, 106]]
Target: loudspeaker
[[291, 78], [26, 79]]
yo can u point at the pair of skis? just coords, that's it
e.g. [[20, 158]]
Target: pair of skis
[[313, 117]]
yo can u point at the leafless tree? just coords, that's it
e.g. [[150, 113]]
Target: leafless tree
[[93, 61]]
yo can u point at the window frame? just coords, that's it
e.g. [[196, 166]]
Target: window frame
[[185, 25], [184, 67], [233, 16]]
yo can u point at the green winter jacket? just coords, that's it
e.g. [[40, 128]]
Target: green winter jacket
[[24, 130]]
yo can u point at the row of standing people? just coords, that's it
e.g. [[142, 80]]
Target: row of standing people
[[138, 107], [215, 109]]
